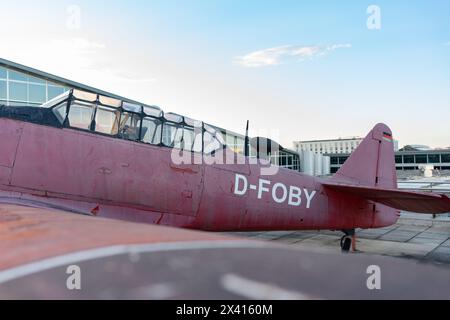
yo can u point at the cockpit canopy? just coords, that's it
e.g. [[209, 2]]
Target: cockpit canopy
[[141, 123]]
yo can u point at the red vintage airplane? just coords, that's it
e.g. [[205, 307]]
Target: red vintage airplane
[[94, 155]]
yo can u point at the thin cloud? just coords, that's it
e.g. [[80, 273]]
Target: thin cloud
[[89, 55], [80, 45], [279, 55]]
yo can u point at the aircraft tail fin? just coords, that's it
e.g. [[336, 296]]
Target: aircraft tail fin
[[370, 174], [372, 164]]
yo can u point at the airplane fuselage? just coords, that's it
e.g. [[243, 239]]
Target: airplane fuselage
[[115, 178]]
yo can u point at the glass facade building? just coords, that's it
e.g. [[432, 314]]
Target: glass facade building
[[406, 160], [285, 159], [22, 89]]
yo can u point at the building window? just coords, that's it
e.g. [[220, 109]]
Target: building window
[[283, 161], [398, 159], [17, 76], [408, 159], [342, 160], [3, 90], [2, 73], [18, 91], [35, 80], [291, 162], [434, 158], [54, 91], [445, 158], [421, 158], [36, 93]]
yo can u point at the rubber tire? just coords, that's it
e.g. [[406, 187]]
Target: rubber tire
[[346, 244]]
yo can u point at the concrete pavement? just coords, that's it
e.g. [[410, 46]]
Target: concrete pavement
[[418, 237]]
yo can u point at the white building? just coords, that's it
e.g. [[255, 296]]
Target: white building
[[344, 146], [336, 146]]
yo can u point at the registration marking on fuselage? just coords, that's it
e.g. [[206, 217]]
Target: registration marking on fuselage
[[281, 194]]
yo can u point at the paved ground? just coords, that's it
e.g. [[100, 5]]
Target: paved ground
[[415, 237], [243, 270]]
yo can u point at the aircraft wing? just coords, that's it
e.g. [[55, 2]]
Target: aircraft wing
[[44, 251], [29, 234], [419, 202]]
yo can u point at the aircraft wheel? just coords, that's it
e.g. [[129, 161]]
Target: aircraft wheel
[[346, 244]]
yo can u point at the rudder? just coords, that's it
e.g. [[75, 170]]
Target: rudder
[[373, 162]]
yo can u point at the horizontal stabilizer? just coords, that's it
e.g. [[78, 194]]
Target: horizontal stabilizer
[[419, 202]]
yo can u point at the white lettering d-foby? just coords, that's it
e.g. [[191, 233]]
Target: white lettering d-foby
[[280, 193]]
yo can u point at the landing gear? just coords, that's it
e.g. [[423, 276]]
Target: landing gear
[[346, 244], [348, 241]]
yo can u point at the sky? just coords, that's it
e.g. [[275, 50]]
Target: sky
[[298, 70]]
